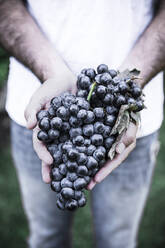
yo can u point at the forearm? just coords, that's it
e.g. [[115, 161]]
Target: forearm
[[21, 36], [148, 54]]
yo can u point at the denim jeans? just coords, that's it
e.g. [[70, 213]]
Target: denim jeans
[[117, 202]]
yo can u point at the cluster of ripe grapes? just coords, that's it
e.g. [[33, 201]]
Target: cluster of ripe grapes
[[77, 130]]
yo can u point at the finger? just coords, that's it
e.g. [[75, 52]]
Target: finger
[[110, 166], [30, 113], [128, 138], [91, 185], [130, 135], [40, 148], [120, 147], [45, 172], [37, 102]]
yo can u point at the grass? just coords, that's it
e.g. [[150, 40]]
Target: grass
[[4, 61], [14, 230]]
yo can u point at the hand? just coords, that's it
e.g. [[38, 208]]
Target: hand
[[40, 100], [126, 145]]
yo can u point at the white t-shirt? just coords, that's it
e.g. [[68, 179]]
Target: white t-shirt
[[87, 33]]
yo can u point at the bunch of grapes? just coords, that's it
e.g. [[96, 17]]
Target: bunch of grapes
[[77, 130]]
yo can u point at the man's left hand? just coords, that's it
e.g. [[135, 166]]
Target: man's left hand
[[123, 149]]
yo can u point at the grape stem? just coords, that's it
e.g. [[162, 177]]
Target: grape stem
[[91, 91]]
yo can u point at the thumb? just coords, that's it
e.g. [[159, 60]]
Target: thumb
[[36, 103]]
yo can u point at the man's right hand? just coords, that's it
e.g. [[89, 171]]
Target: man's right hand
[[40, 100]]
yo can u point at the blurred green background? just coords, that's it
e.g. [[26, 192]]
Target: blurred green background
[[13, 224]]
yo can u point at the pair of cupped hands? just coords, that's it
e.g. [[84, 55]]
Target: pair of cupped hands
[[41, 100]]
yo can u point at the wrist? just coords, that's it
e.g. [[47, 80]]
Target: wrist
[[48, 64]]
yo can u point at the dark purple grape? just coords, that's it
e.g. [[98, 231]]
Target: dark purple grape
[[88, 130], [82, 159], [120, 100], [131, 100], [52, 148], [82, 114], [71, 205], [55, 174], [90, 150], [98, 154], [56, 123], [77, 194], [75, 131], [101, 91], [60, 205], [41, 114], [82, 149], [90, 73], [82, 93], [107, 131], [139, 106], [105, 78], [68, 100], [65, 126], [82, 202], [116, 81], [83, 71], [53, 134], [73, 154], [97, 78], [65, 183], [84, 83], [62, 169], [56, 102], [56, 186], [97, 139], [52, 112], [109, 142], [90, 117], [67, 193], [102, 68], [123, 87], [108, 99], [74, 121], [43, 136], [74, 109], [72, 166], [87, 142], [72, 176], [44, 124], [79, 184], [111, 110], [78, 141], [113, 73], [110, 120], [82, 103], [98, 127], [57, 157], [67, 146], [136, 92], [92, 163], [82, 170], [99, 113], [63, 113]]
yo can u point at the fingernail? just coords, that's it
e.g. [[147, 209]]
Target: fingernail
[[120, 148], [92, 185], [50, 160]]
